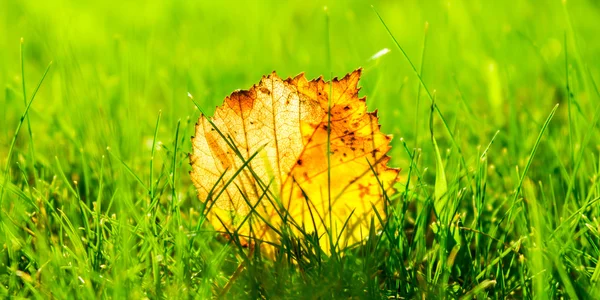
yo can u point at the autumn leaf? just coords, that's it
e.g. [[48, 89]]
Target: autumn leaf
[[262, 161]]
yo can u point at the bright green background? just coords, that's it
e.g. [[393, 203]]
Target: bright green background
[[116, 64], [493, 66]]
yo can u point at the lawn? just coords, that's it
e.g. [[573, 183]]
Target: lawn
[[494, 110]]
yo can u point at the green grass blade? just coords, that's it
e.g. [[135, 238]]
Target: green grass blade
[[14, 139]]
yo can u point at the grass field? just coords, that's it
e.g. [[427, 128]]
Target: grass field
[[96, 200]]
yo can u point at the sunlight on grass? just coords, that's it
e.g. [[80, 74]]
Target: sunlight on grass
[[96, 200]]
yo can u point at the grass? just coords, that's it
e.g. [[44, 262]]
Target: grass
[[494, 109]]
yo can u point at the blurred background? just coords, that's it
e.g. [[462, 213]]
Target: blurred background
[[116, 64]]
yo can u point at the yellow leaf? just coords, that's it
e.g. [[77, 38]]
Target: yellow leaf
[[275, 135]]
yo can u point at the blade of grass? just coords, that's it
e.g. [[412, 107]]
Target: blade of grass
[[129, 170], [174, 199], [441, 202], [426, 30], [528, 164], [150, 181], [14, 139], [429, 94], [569, 103], [31, 144], [328, 45]]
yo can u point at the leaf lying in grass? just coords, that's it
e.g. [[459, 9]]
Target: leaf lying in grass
[[267, 147]]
